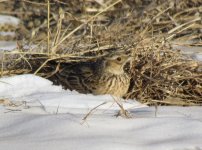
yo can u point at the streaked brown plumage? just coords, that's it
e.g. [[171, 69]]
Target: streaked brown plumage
[[104, 76]]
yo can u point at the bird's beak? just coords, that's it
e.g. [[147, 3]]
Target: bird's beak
[[129, 59]]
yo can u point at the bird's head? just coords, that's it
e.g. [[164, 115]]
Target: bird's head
[[114, 63]]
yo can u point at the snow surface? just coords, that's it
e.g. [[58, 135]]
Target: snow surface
[[7, 45], [192, 52], [197, 56], [174, 128], [4, 19], [2, 33], [47, 117]]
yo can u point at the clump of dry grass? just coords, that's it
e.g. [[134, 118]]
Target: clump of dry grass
[[84, 31], [161, 75]]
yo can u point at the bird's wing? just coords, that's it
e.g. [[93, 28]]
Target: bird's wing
[[80, 77]]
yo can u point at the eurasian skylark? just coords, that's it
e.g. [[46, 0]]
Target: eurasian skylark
[[104, 76]]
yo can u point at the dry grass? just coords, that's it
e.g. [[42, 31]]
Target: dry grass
[[76, 31]]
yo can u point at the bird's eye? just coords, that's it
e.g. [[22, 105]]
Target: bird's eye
[[118, 58]]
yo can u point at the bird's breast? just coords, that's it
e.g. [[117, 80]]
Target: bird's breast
[[116, 85]]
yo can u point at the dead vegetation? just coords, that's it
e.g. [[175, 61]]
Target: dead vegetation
[[61, 33]]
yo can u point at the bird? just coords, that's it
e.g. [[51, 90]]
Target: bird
[[106, 75]]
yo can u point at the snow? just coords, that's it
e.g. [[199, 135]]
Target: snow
[[2, 33], [197, 57], [7, 45], [29, 84], [192, 52], [52, 118], [4, 19]]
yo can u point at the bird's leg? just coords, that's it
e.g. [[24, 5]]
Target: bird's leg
[[122, 112]]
